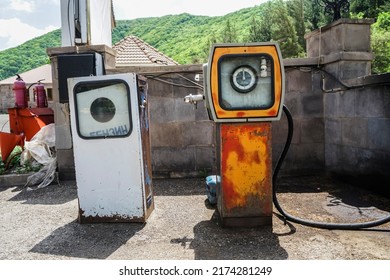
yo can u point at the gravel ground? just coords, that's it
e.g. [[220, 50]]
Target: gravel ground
[[42, 224]]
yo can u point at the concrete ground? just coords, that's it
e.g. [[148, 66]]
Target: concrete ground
[[42, 224]]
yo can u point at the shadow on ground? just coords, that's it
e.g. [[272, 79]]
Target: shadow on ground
[[92, 241], [339, 195], [50, 195], [212, 242]]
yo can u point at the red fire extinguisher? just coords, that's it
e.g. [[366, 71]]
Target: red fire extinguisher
[[21, 94], [40, 95]]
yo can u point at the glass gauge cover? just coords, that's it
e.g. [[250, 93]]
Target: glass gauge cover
[[244, 79]]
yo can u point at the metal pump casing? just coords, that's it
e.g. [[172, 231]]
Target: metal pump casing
[[264, 98], [244, 92]]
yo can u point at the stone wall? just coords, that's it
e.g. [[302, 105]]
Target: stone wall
[[304, 99], [357, 131], [182, 137]]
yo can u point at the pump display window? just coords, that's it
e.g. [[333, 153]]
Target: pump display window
[[102, 109], [245, 82]]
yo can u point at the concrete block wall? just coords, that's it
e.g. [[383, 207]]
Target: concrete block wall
[[182, 137], [343, 48], [357, 132], [343, 35], [304, 100]]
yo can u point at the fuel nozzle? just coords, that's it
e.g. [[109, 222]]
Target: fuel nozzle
[[194, 99]]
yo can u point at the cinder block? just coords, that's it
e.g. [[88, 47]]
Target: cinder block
[[312, 105], [303, 157], [312, 131], [293, 102], [205, 158], [173, 159], [354, 132], [331, 105], [379, 134], [298, 81], [166, 135], [332, 156], [371, 102], [333, 131], [346, 104], [182, 111], [197, 133], [353, 69], [160, 89], [340, 35], [161, 109]]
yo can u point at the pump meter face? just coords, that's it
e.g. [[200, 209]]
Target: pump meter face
[[244, 79], [245, 82]]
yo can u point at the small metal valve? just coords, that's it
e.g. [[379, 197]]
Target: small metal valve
[[194, 99]]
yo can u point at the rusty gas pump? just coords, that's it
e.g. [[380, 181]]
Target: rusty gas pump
[[244, 88], [244, 92]]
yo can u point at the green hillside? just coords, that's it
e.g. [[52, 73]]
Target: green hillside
[[187, 38], [29, 55]]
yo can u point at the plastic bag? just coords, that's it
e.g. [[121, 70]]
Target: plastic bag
[[212, 182], [43, 177], [39, 149]]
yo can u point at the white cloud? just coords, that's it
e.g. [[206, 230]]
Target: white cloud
[[22, 5], [16, 32]]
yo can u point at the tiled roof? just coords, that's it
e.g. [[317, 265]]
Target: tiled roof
[[133, 51]]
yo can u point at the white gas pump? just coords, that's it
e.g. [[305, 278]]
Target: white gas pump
[[110, 132]]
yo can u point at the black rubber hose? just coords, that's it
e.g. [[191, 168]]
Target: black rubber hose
[[287, 216]]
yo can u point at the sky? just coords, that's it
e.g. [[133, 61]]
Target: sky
[[22, 20]]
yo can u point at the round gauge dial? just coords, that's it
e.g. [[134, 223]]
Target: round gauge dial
[[244, 79]]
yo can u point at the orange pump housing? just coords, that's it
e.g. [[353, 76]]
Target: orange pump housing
[[244, 90]]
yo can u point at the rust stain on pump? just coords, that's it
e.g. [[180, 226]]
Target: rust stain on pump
[[246, 169]]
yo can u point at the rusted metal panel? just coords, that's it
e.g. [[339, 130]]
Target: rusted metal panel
[[145, 142], [245, 195], [108, 219]]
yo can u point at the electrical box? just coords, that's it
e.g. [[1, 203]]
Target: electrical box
[[77, 65], [111, 145]]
